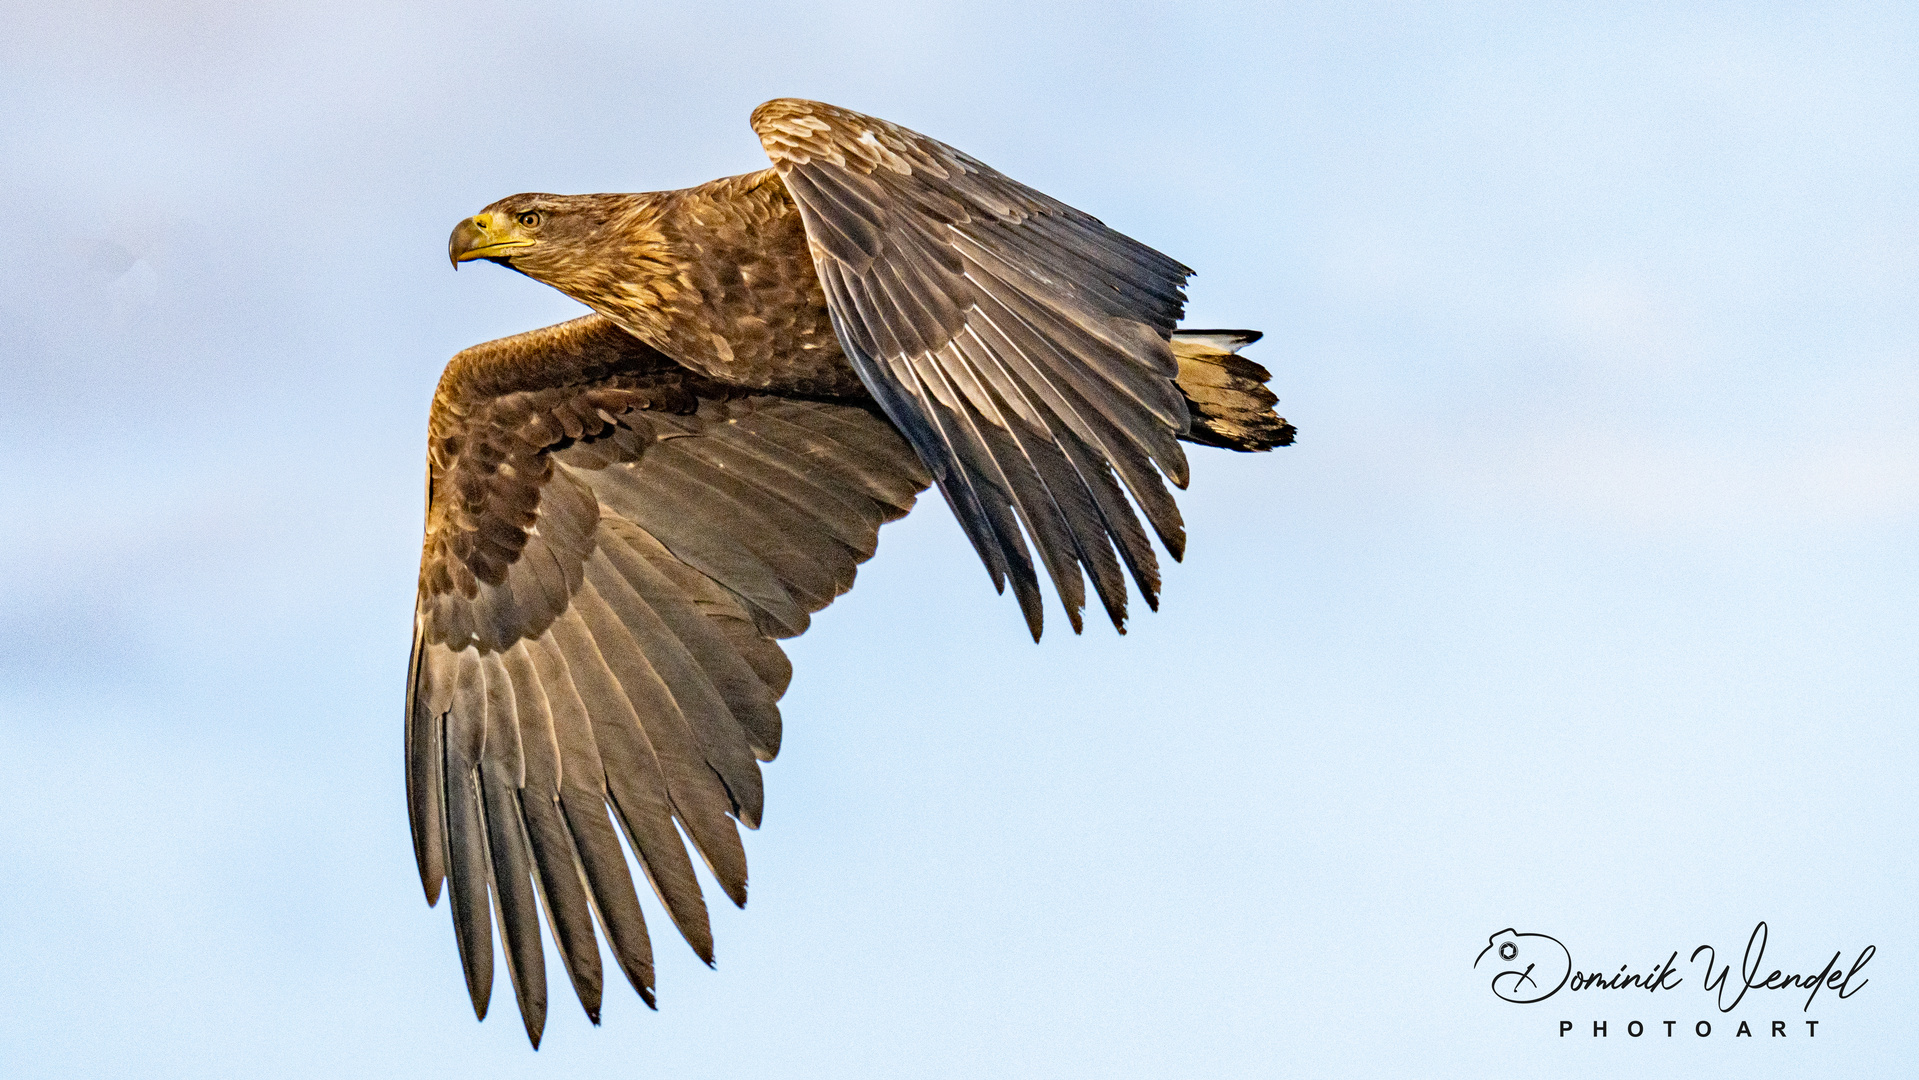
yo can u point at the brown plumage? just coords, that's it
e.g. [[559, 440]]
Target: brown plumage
[[625, 512]]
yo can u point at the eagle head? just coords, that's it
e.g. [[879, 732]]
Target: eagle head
[[540, 235]]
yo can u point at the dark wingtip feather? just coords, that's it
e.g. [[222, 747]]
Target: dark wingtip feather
[[426, 809], [466, 848], [1031, 605], [1035, 621]]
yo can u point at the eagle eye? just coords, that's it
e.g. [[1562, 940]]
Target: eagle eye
[[529, 219]]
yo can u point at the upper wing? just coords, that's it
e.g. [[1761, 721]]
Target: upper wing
[[1020, 345], [611, 547]]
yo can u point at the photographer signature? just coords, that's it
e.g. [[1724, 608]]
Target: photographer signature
[[1533, 967]]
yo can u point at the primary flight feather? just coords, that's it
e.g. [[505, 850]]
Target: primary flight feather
[[625, 512]]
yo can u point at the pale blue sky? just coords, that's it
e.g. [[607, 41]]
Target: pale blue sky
[[1584, 605]]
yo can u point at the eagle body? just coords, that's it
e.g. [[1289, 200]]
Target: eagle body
[[628, 511], [716, 276]]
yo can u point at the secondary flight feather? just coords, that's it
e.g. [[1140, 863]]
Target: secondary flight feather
[[626, 512]]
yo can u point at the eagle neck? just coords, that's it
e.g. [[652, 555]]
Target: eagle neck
[[640, 286]]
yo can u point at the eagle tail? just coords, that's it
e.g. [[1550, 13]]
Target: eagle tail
[[1226, 394]]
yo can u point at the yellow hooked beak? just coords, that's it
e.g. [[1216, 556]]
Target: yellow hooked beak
[[483, 236]]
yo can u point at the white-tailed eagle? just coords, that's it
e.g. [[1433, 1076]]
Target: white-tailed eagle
[[626, 512]]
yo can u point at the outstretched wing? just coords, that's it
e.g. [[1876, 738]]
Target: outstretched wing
[[612, 546], [1020, 345]]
